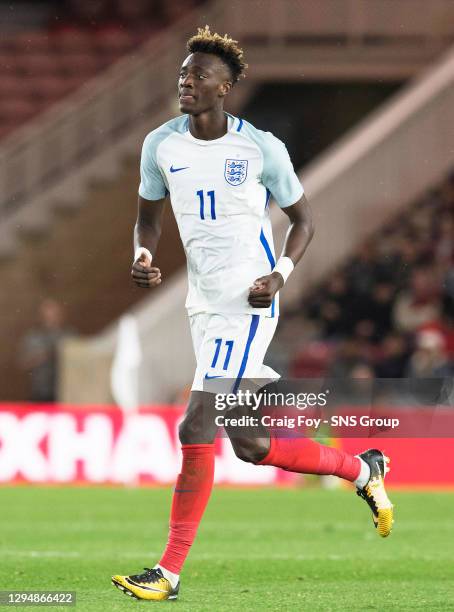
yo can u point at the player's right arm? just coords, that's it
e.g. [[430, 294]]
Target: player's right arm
[[151, 202], [147, 232]]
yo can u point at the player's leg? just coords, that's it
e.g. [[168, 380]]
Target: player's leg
[[256, 446], [190, 497], [303, 455], [194, 483], [192, 491]]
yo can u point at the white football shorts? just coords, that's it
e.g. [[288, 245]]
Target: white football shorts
[[231, 346]]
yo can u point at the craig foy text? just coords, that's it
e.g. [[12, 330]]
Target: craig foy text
[[301, 420]]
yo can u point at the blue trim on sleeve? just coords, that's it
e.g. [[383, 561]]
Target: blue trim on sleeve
[[252, 332], [240, 125]]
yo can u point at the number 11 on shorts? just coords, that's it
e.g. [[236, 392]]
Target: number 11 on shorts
[[229, 346]]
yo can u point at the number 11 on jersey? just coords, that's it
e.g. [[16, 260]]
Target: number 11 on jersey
[[210, 194]]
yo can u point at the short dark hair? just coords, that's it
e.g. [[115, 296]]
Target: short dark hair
[[224, 47]]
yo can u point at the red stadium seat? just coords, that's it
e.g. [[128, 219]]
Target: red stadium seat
[[34, 42], [312, 361], [14, 111], [39, 68], [73, 41], [7, 64], [49, 88], [13, 86], [85, 64], [114, 41], [39, 65]]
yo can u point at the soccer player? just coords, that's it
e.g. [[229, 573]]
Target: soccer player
[[220, 172]]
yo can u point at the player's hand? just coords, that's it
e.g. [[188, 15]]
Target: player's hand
[[262, 292], [143, 274]]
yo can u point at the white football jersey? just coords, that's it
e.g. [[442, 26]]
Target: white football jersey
[[220, 190]]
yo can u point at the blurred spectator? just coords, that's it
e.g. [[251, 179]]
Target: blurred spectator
[[331, 307], [375, 315], [362, 371], [347, 357], [331, 319], [381, 309], [372, 313], [444, 245], [448, 291], [430, 359], [363, 333], [39, 352], [419, 303], [445, 327], [394, 357], [361, 271], [408, 255]]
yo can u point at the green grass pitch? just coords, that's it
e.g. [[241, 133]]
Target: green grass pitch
[[257, 549]]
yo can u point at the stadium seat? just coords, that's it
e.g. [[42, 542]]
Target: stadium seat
[[41, 67], [114, 41], [49, 88], [30, 42], [13, 86], [73, 41], [7, 63], [14, 111], [44, 64], [85, 64], [312, 362]]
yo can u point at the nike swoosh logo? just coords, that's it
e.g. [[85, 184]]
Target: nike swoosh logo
[[208, 377], [147, 588], [172, 169]]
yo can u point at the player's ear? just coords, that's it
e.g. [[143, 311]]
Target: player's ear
[[224, 88]]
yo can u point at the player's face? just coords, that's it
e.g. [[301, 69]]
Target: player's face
[[203, 83]]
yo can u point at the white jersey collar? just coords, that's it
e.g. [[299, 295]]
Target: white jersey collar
[[231, 126]]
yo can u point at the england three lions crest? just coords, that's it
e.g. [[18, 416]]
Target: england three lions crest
[[235, 171]]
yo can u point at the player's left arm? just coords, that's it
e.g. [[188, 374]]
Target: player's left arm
[[298, 237]]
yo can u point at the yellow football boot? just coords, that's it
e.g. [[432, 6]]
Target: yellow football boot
[[374, 493], [150, 585]]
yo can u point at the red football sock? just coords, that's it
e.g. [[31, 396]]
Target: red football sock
[[308, 457], [192, 492]]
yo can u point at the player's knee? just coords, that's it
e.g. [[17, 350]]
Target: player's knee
[[189, 431], [192, 429], [251, 450]]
